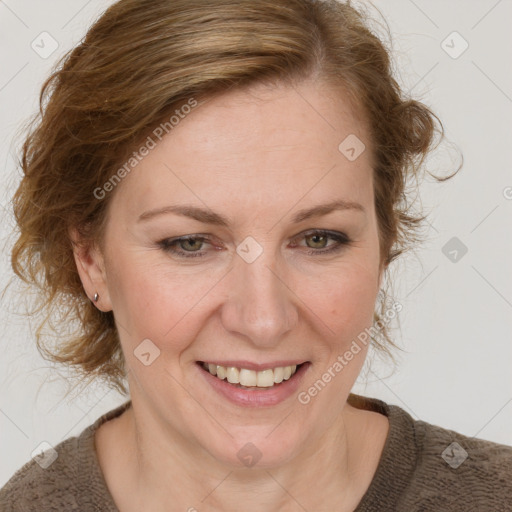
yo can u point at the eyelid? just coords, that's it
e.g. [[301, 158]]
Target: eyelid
[[322, 232]]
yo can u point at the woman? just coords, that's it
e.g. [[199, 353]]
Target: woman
[[214, 196]]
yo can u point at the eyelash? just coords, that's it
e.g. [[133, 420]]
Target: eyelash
[[341, 240]]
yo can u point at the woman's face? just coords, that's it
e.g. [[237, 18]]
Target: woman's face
[[248, 178]]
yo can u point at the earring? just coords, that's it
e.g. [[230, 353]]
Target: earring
[[96, 297]]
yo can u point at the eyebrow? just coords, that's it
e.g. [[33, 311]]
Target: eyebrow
[[209, 217]]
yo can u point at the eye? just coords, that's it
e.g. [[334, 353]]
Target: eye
[[318, 240], [192, 246], [189, 246]]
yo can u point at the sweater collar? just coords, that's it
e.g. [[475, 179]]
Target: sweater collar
[[393, 474], [398, 459]]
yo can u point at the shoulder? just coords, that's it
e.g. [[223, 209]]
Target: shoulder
[[467, 466], [48, 480], [457, 472], [64, 477], [427, 467]]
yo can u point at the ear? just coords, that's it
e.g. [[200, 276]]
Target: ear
[[90, 264]]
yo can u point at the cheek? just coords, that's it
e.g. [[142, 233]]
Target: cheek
[[151, 301], [344, 300]]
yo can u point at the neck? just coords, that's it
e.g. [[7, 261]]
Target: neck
[[165, 467]]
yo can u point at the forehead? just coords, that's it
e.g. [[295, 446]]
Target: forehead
[[264, 143]]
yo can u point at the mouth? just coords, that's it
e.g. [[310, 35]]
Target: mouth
[[249, 379]]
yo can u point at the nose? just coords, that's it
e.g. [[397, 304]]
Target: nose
[[261, 305]]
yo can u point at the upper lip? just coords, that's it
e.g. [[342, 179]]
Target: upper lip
[[256, 366]]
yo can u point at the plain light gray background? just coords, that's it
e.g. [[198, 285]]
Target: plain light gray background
[[456, 317]]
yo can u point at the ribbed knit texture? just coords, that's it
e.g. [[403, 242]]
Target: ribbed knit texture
[[412, 475]]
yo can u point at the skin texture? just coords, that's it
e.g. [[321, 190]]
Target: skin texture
[[256, 156]]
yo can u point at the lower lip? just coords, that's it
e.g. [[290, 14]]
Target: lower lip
[[252, 398]]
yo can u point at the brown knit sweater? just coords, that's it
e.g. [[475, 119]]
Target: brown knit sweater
[[474, 475]]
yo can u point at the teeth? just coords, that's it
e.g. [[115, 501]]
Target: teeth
[[233, 375], [265, 379], [221, 372], [250, 378], [278, 375]]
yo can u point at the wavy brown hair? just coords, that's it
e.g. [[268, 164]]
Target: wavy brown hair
[[138, 63]]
